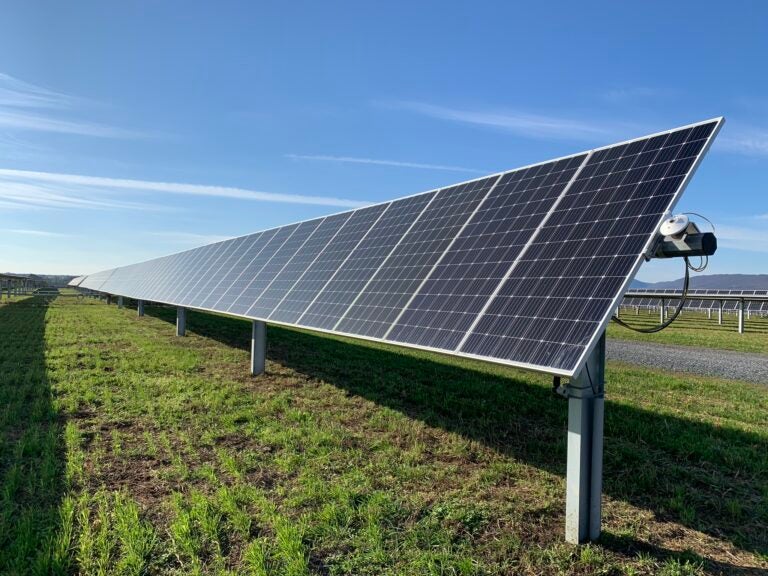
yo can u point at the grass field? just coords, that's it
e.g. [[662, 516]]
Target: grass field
[[695, 329], [126, 450]]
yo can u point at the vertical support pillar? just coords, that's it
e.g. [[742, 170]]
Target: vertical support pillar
[[181, 321], [720, 314], [584, 482], [109, 299], [662, 311], [741, 316], [709, 313], [140, 308], [258, 347], [119, 301], [637, 310]]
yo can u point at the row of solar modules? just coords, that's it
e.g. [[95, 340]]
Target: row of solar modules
[[711, 302], [522, 267]]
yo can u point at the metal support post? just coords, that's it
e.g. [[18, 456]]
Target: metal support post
[[584, 482], [140, 307], [181, 321], [258, 347], [741, 316], [709, 313], [720, 314], [662, 311], [109, 299], [119, 301]]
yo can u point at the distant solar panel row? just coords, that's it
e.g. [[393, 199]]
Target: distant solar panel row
[[522, 267], [694, 303]]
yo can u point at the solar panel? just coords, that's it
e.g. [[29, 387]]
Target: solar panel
[[273, 266], [468, 272], [341, 291], [254, 266], [523, 268], [401, 274], [297, 266], [322, 269]]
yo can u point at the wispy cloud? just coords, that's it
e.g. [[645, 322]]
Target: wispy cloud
[[41, 233], [25, 107], [743, 238], [745, 141], [189, 238], [17, 93], [15, 183], [515, 121], [21, 195], [378, 162], [627, 93], [21, 121]]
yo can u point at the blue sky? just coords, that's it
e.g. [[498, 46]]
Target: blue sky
[[135, 129]]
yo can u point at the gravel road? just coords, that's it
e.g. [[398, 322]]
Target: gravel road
[[705, 361]]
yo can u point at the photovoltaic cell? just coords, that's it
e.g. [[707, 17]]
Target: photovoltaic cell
[[254, 266], [358, 269], [406, 267], [203, 272], [272, 268], [469, 272], [196, 297], [564, 286], [293, 270], [251, 248], [325, 265]]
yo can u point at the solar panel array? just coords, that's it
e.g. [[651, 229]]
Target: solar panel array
[[522, 267], [707, 299]]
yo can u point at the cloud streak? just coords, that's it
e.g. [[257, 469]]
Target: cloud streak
[[13, 184], [41, 233], [517, 122], [743, 238], [17, 93], [748, 142], [379, 162], [25, 107]]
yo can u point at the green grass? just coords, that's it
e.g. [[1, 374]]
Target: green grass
[[695, 329], [126, 450]]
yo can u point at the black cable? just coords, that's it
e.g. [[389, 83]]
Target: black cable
[[660, 327]]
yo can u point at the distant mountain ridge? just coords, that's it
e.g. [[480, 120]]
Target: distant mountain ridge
[[712, 282]]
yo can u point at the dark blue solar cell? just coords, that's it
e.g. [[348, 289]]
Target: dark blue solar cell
[[472, 268], [253, 266], [248, 251], [283, 282], [325, 265], [197, 295], [359, 268], [272, 268], [401, 274]]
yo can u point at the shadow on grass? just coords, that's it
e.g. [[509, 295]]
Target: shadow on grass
[[710, 478], [31, 444]]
